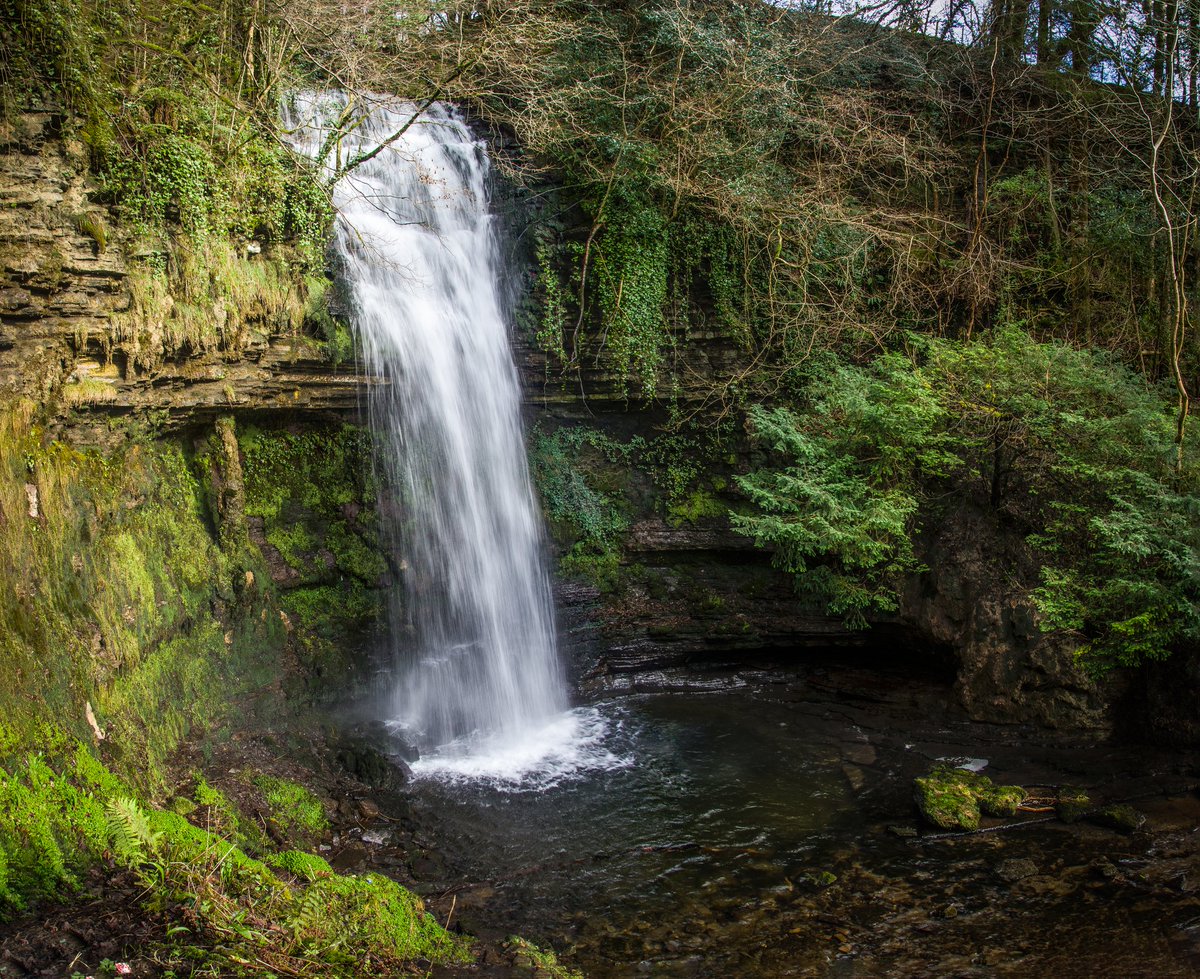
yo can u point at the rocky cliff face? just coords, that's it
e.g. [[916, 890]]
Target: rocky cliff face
[[689, 593], [267, 457], [65, 284], [693, 594], [972, 601], [59, 286]]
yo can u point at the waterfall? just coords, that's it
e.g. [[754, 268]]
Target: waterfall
[[418, 252]]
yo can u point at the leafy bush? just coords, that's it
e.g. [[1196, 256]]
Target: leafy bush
[[845, 537], [1066, 443]]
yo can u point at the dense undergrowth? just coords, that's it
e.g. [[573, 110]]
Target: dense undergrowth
[[1065, 445], [232, 903]]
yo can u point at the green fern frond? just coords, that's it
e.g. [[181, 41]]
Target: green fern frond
[[129, 829]]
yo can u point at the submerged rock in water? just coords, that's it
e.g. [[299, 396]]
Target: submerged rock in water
[[903, 831], [1017, 868], [954, 798]]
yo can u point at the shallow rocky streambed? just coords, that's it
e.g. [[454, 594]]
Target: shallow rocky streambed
[[761, 825]]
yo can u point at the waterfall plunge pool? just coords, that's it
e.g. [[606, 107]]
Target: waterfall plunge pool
[[745, 832], [563, 747]]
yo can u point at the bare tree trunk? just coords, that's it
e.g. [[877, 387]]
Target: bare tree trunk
[[1045, 10]]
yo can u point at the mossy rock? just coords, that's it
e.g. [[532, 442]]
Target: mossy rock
[[1072, 804], [955, 799], [1122, 818], [295, 811], [1002, 800], [948, 799], [182, 805]]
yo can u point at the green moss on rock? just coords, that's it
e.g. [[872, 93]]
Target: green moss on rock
[[294, 809], [1002, 800], [955, 799], [1122, 818], [306, 866], [127, 622], [947, 798], [354, 556], [317, 470], [695, 507], [1071, 804]]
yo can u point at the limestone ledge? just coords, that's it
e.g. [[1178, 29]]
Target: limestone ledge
[[61, 288]]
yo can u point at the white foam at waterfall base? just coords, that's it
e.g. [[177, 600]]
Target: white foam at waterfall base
[[565, 747], [480, 688]]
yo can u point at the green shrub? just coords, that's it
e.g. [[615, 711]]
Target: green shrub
[[1064, 443]]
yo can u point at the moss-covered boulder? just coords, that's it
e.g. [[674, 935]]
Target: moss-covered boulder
[[1071, 804], [1002, 800], [1122, 818], [946, 797], [955, 799]]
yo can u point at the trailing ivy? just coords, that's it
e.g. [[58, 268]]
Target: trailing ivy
[[631, 271], [588, 519]]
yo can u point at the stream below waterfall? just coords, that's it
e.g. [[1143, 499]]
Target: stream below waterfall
[[711, 845]]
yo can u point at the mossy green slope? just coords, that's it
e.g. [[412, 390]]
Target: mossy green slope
[[64, 811]]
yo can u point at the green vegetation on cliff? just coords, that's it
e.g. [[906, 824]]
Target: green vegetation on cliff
[[1067, 445], [144, 619], [935, 287], [121, 595], [222, 225], [311, 503]]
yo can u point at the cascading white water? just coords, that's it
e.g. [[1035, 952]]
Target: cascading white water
[[420, 260]]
